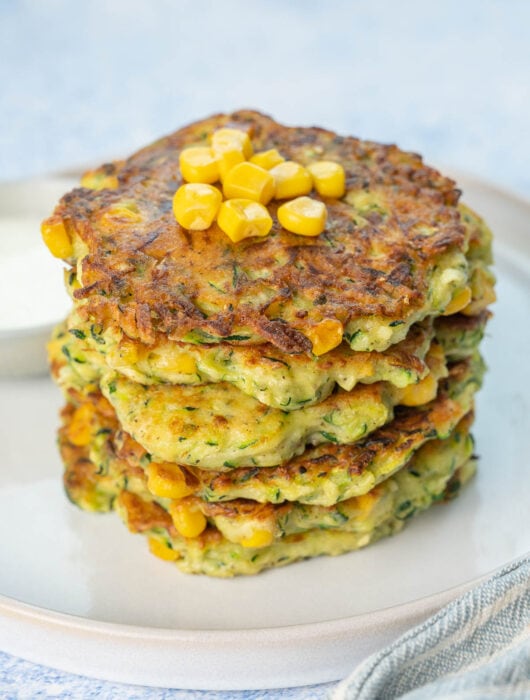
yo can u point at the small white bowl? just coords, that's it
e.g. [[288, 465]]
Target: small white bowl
[[32, 294]]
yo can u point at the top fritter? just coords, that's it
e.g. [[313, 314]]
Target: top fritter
[[392, 251]]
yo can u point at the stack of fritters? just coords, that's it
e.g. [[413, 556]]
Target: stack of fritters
[[196, 407]]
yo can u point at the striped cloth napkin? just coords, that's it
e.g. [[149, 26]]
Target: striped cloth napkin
[[476, 647]]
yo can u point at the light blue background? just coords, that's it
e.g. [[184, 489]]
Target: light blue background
[[86, 81], [82, 81]]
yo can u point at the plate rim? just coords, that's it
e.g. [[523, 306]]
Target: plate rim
[[30, 611], [381, 627]]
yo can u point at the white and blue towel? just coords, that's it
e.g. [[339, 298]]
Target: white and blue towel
[[476, 647]]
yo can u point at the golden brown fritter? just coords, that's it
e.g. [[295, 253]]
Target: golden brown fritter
[[375, 265], [322, 475], [242, 537]]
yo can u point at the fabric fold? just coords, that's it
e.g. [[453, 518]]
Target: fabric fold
[[477, 646]]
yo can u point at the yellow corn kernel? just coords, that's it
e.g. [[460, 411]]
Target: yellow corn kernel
[[196, 205], [259, 538], [173, 360], [129, 353], [94, 180], [80, 428], [187, 518], [291, 180], [243, 218], [420, 393], [56, 238], [125, 211], [304, 216], [366, 502], [162, 550], [326, 336], [231, 147], [226, 160], [249, 181], [274, 310], [167, 480], [199, 164], [459, 302], [267, 159], [231, 140], [183, 364], [329, 178], [477, 305]]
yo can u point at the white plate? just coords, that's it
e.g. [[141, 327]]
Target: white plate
[[82, 594]]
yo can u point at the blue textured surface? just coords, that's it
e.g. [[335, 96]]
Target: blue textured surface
[[21, 680], [81, 82]]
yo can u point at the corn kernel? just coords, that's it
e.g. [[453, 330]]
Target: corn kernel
[[291, 180], [187, 518], [303, 215], [125, 211], [249, 181], [226, 160], [274, 309], [326, 336], [80, 428], [259, 538], [167, 480], [475, 306], [267, 159], [56, 238], [243, 218], [231, 147], [129, 353], [459, 302], [366, 502], [162, 550], [199, 164], [420, 393], [94, 180], [196, 205], [329, 178], [184, 364], [231, 139], [173, 360]]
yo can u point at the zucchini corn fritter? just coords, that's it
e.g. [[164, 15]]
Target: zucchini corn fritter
[[273, 348]]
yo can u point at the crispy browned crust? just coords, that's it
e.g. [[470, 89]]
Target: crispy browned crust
[[151, 276], [460, 323], [144, 515], [242, 507]]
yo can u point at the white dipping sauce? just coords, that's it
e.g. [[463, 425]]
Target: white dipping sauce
[[32, 291]]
